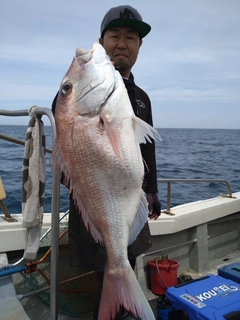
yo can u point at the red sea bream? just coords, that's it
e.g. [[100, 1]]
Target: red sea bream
[[97, 148]]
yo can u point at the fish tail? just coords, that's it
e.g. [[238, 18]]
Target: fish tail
[[121, 288]]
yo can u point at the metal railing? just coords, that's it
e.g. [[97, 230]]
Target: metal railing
[[55, 207], [170, 181], [17, 141]]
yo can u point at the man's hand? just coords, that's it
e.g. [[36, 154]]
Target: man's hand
[[154, 206]]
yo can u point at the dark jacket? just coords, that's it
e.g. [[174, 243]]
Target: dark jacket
[[82, 247], [142, 109]]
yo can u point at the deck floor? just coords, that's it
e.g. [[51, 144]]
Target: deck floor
[[38, 310]]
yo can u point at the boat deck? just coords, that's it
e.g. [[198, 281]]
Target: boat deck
[[33, 308], [216, 244]]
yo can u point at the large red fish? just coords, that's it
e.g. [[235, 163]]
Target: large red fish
[[97, 148]]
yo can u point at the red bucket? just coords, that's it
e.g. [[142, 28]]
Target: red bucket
[[163, 274]]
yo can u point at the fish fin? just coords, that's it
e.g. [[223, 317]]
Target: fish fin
[[143, 131], [58, 164], [140, 219], [113, 133], [86, 218], [120, 287], [65, 178]]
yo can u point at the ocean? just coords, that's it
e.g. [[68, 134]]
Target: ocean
[[183, 154]]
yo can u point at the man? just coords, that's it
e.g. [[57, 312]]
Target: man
[[122, 30]]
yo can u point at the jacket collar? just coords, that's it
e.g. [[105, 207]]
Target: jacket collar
[[129, 83]]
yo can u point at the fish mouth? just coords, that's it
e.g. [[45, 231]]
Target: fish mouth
[[100, 87], [83, 56]]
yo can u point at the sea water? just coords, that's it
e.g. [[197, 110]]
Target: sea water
[[183, 154]]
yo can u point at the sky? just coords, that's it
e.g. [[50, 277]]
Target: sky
[[189, 64]]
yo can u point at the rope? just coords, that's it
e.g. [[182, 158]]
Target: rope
[[169, 267]]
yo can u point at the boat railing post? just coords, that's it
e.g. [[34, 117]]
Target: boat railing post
[[55, 208], [169, 197], [54, 224]]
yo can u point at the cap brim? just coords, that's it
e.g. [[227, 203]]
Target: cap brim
[[142, 27]]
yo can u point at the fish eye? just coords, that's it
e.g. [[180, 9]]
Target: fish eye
[[67, 88]]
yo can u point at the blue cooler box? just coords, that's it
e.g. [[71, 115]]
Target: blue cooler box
[[231, 271], [209, 298]]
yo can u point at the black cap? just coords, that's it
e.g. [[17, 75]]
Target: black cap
[[125, 16]]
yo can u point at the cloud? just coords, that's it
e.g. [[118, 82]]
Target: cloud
[[191, 95], [191, 55], [16, 92]]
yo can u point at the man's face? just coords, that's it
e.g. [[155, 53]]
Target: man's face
[[122, 45]]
